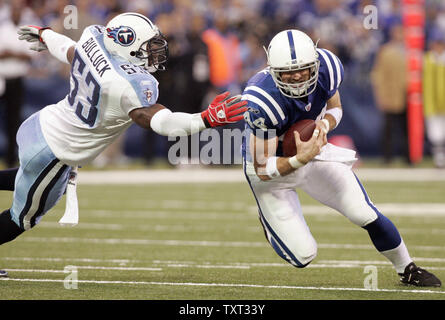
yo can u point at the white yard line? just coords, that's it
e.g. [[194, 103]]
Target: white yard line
[[236, 175], [159, 264], [201, 266], [245, 212], [204, 205], [87, 267], [200, 243], [233, 285], [118, 261]]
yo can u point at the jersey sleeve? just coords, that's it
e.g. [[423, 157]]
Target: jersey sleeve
[[331, 71], [264, 116], [143, 93]]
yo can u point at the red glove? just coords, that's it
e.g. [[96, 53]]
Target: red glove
[[221, 112], [32, 34]]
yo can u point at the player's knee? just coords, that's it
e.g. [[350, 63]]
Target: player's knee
[[296, 255], [306, 259], [360, 214]]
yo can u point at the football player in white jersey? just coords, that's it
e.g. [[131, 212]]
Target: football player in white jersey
[[111, 87], [301, 82]]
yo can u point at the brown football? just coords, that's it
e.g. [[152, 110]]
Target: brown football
[[305, 128]]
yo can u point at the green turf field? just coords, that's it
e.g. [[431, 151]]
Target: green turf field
[[185, 241]]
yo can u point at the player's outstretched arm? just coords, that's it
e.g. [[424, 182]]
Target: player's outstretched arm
[[58, 45], [221, 111]]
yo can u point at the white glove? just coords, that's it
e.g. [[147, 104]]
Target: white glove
[[32, 34], [37, 45]]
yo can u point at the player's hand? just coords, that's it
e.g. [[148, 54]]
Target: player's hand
[[306, 151], [222, 111], [32, 34], [38, 46]]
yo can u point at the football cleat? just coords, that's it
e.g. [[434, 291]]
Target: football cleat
[[413, 275], [3, 274]]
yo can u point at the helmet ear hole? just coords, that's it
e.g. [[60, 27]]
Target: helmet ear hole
[[132, 53]]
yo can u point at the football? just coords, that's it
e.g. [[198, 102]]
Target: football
[[305, 128]]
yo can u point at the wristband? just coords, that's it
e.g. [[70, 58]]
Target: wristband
[[294, 163], [337, 113], [271, 168]]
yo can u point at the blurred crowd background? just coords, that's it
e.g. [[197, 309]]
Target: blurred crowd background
[[217, 45]]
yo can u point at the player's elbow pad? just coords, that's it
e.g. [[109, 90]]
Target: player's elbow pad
[[58, 44], [167, 123]]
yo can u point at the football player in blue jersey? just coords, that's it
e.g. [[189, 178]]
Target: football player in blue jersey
[[301, 81], [111, 87]]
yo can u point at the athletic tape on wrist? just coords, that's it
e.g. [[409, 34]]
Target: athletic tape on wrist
[[326, 122], [271, 167], [294, 163], [337, 113]]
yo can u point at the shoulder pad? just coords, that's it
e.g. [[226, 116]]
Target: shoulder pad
[[331, 71]]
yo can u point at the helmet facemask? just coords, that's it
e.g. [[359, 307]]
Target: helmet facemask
[[153, 53], [299, 89]]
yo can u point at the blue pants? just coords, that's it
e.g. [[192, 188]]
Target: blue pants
[[41, 179]]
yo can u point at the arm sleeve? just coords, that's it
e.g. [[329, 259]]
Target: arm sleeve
[[167, 123], [57, 44]]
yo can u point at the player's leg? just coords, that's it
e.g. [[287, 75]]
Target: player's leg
[[284, 225], [40, 182], [335, 185]]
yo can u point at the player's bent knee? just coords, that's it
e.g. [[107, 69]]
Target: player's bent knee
[[306, 260], [306, 263], [359, 214], [297, 256]]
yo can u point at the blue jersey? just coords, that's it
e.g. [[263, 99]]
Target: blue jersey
[[271, 113]]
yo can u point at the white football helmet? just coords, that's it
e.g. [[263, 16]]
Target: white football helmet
[[293, 50], [136, 39]]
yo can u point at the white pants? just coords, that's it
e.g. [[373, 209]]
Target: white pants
[[331, 183]]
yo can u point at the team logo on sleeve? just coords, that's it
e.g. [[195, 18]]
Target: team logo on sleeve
[[122, 35], [148, 93]]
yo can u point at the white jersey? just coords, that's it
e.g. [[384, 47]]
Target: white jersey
[[103, 90]]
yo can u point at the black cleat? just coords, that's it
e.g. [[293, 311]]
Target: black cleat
[[3, 274], [413, 275]]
